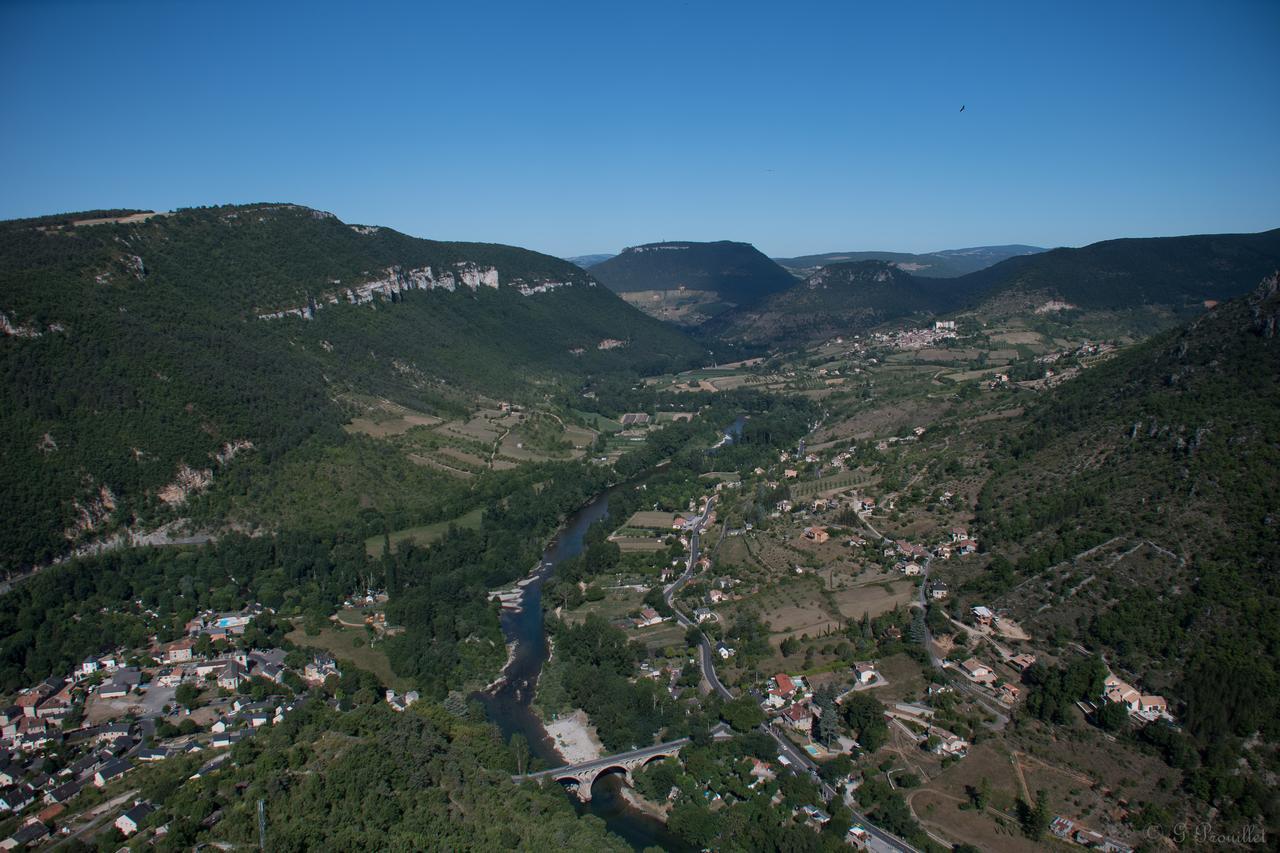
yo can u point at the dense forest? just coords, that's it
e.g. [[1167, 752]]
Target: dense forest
[[136, 353]]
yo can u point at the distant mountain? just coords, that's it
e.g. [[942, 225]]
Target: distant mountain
[[948, 263], [139, 355], [688, 282], [839, 298], [588, 261], [1144, 284]]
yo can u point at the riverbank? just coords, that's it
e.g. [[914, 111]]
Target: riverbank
[[575, 738], [640, 804]]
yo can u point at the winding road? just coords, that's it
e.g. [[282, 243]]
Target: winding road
[[880, 840]]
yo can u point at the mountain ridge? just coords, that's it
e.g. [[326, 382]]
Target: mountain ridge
[[946, 263], [137, 356], [1156, 280]]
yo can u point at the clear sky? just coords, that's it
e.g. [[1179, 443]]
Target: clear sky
[[584, 127]]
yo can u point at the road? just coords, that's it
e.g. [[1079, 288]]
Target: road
[[880, 841]]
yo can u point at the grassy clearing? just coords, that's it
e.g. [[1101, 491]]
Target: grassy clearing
[[341, 643], [424, 534], [651, 520], [615, 604], [874, 599]]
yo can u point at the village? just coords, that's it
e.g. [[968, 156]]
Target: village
[[851, 612], [71, 743]]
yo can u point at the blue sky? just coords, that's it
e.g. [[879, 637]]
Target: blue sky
[[583, 127]]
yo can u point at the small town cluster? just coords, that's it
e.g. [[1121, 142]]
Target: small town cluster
[[89, 729]]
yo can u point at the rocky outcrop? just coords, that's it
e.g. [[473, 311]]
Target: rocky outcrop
[[187, 482], [395, 281]]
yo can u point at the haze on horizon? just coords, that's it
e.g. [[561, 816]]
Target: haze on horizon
[[584, 128]]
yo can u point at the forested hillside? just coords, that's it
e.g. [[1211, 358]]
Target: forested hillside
[[139, 359], [1169, 457]]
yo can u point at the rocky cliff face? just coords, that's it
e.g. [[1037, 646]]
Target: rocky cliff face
[[395, 281]]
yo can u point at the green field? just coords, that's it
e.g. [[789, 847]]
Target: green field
[[424, 534], [599, 422], [339, 642]]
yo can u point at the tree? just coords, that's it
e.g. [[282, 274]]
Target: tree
[[1034, 819], [187, 695], [865, 716], [742, 714], [1113, 716], [520, 751]]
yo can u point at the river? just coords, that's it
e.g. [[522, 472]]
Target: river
[[508, 705]]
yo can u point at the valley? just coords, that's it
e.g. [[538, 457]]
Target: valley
[[858, 609]]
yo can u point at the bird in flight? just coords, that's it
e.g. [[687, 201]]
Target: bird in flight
[[962, 108]]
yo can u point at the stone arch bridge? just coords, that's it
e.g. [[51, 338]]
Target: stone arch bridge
[[586, 773]]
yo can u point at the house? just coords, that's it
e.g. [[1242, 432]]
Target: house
[[151, 755], [64, 792], [88, 667], [911, 570], [180, 651], [978, 671], [716, 596], [703, 614], [25, 836], [56, 706], [132, 820], [865, 673], [866, 504], [401, 703], [783, 506], [966, 546], [817, 534], [799, 717], [114, 731], [17, 798], [111, 770], [172, 676], [1115, 690], [648, 616], [271, 672], [231, 676], [950, 744], [938, 590], [762, 769], [983, 615], [724, 651], [1153, 705], [318, 669], [857, 836], [816, 815], [790, 474], [959, 534], [785, 686], [1022, 662], [1010, 693], [122, 681]]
